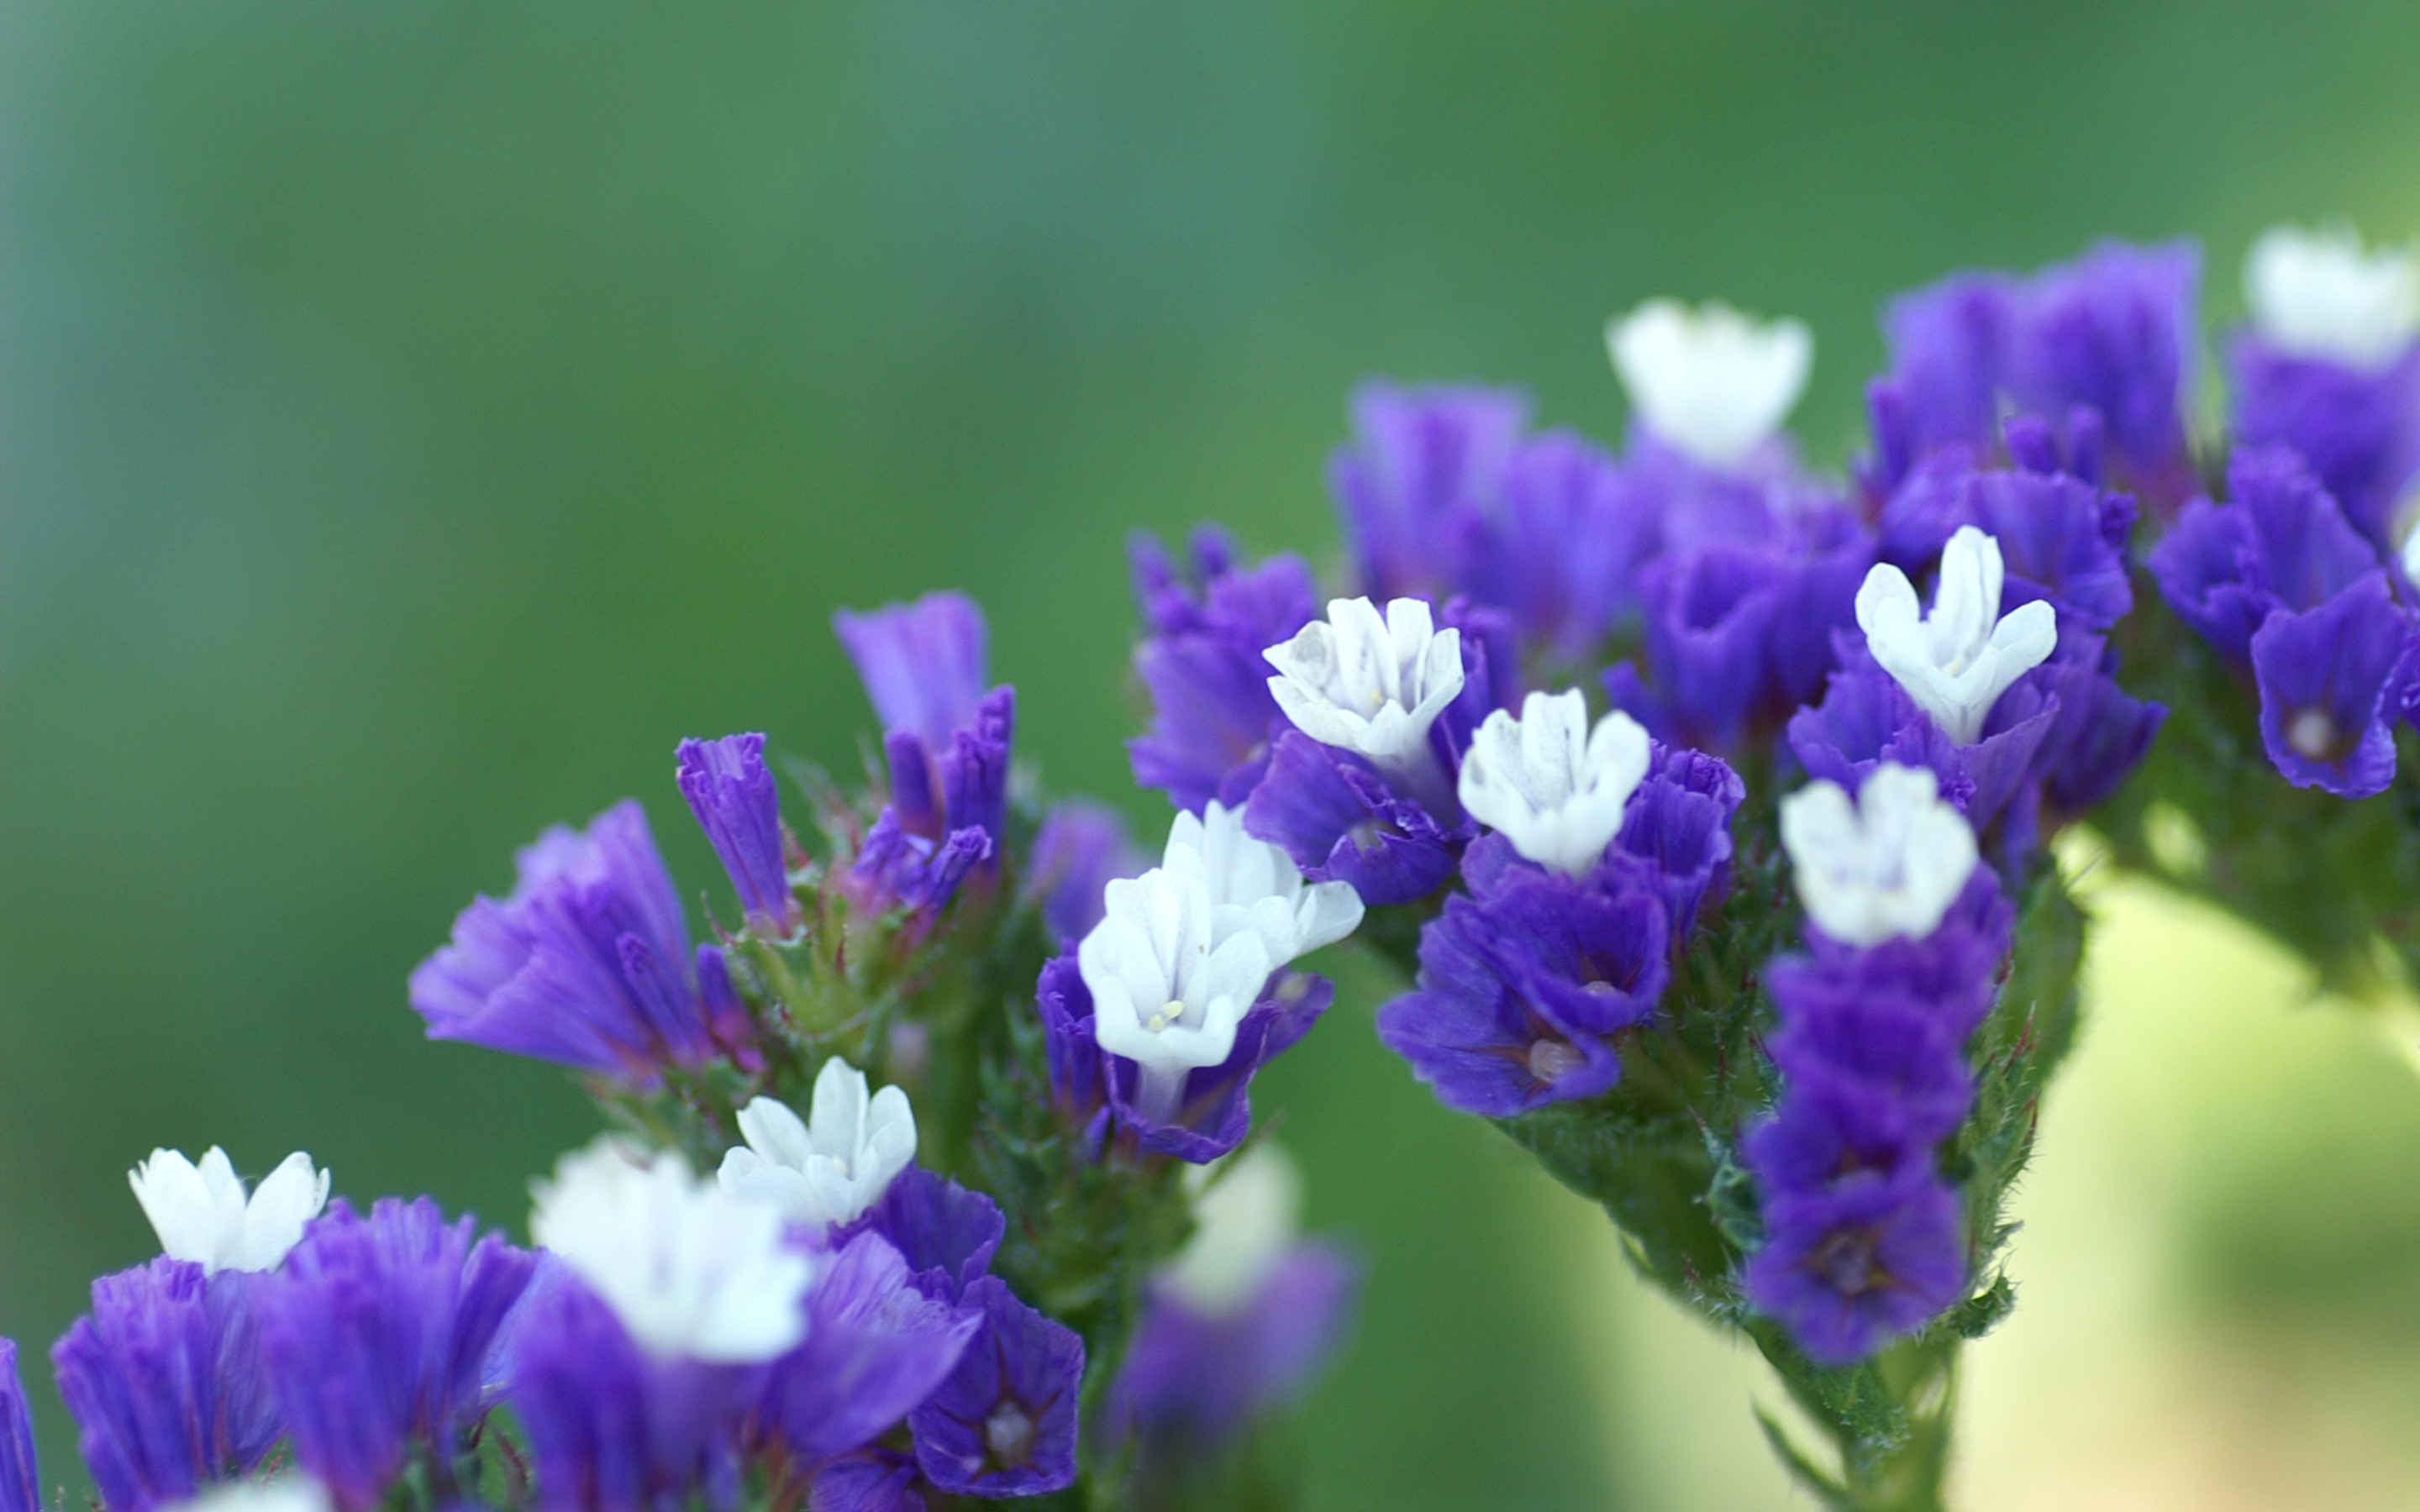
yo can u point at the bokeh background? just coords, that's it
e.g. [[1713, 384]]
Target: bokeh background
[[414, 418]]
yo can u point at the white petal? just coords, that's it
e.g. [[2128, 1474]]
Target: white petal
[[287, 1199], [774, 1129], [1244, 1222], [837, 1113], [2317, 294], [1710, 381]]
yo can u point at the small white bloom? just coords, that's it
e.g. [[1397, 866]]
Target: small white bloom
[[1552, 786], [201, 1215], [1163, 995], [292, 1492], [1369, 684], [1890, 863], [832, 1167], [690, 1270], [2317, 294], [1957, 660], [1711, 381], [2412, 554], [1244, 1221], [1255, 886]]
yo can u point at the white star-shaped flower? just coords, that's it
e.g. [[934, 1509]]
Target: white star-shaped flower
[[1957, 660], [201, 1213], [1368, 685], [1712, 381], [691, 1271], [1889, 863], [831, 1166], [1255, 886], [2318, 294], [1245, 1219], [1549, 784], [1164, 995]]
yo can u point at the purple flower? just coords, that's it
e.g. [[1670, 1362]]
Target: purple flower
[[1196, 1376], [1954, 971], [1679, 828], [924, 664], [1841, 1030], [1867, 719], [1065, 1005], [2098, 736], [21, 1477], [1425, 471], [945, 1234], [1004, 1423], [2062, 539], [1335, 817], [2355, 427], [588, 964], [1080, 849], [1476, 1036], [612, 1426], [947, 810], [1949, 344], [2115, 329], [374, 1337], [164, 1380], [1213, 717], [1562, 551], [2334, 681], [2279, 542], [1849, 1268], [1831, 1131], [878, 1480], [732, 795], [876, 1346], [1214, 1112]]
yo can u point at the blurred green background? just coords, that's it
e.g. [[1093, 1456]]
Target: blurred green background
[[413, 419]]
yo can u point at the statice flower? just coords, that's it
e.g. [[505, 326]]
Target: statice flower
[[690, 1271], [1849, 1268], [1336, 818], [2334, 682], [1241, 1320], [924, 664], [374, 1337], [1553, 787], [831, 1166], [162, 1378], [201, 1213], [586, 964], [1003, 1425], [20, 1476], [1424, 472], [1253, 886], [1079, 848], [1372, 686], [732, 793], [2062, 538], [1957, 660], [2278, 542], [1213, 719], [1710, 382], [1163, 996], [1890, 862], [1561, 556], [1678, 832]]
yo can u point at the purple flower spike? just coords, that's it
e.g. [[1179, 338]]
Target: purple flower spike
[[1003, 1425], [1679, 830], [1830, 1132], [1594, 963], [1198, 1377], [1425, 470], [1564, 557], [1081, 848], [2333, 683], [586, 964], [876, 1346], [1334, 816], [1838, 1031], [1473, 1037], [21, 1477], [923, 663], [162, 1378], [374, 1337], [1848, 1269], [1710, 616], [1216, 1111], [1954, 970], [732, 795], [1212, 713]]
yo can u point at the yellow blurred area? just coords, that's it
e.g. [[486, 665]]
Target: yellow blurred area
[[2219, 1291]]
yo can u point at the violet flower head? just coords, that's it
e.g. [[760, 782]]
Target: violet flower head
[[2098, 734], [1950, 344], [1081, 848], [1848, 1269], [1425, 470], [1562, 555], [2279, 542], [585, 963], [1334, 816], [1213, 717], [20, 1476], [2061, 539], [732, 793], [1843, 1030], [1213, 1110], [947, 810], [945, 1233], [877, 1344], [163, 1377], [1678, 828], [2334, 682], [1004, 1423], [924, 664], [2115, 330], [1069, 1041], [374, 1338], [1480, 1034]]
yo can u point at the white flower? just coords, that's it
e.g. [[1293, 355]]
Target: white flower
[[1549, 784], [2411, 554], [200, 1212], [1957, 660], [690, 1270], [1255, 886], [1243, 1222], [2317, 294], [293, 1491], [1369, 684], [1163, 995], [1711, 381], [831, 1167], [1891, 863]]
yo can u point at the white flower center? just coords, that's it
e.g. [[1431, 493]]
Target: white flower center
[[2313, 733], [1371, 686], [1710, 382], [1167, 994], [1889, 863], [201, 1213], [831, 1166], [1957, 660], [1553, 787], [2318, 294]]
